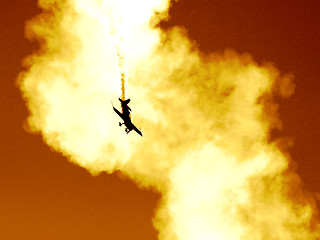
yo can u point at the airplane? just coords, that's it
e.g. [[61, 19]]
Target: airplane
[[125, 115]]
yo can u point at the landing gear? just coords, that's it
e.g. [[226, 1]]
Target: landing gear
[[127, 130], [120, 124]]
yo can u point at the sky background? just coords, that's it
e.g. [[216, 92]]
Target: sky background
[[43, 196]]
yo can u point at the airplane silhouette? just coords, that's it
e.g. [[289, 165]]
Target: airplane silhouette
[[125, 115]]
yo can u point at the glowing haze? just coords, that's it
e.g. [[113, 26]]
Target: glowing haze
[[206, 119]]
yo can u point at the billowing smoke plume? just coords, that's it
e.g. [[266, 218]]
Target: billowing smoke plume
[[206, 119]]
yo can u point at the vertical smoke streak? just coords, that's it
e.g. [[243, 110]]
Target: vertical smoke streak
[[206, 145], [115, 25], [123, 73], [121, 49], [120, 45]]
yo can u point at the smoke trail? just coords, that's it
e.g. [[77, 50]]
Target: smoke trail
[[122, 65], [121, 48], [118, 30], [206, 151]]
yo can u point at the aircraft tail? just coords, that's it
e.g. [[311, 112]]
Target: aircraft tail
[[125, 102]]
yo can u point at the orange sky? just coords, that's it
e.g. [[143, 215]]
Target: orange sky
[[43, 196]]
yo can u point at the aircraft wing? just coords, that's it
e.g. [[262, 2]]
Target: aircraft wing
[[137, 130], [119, 113]]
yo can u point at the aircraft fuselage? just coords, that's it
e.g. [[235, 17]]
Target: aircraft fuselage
[[125, 115]]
